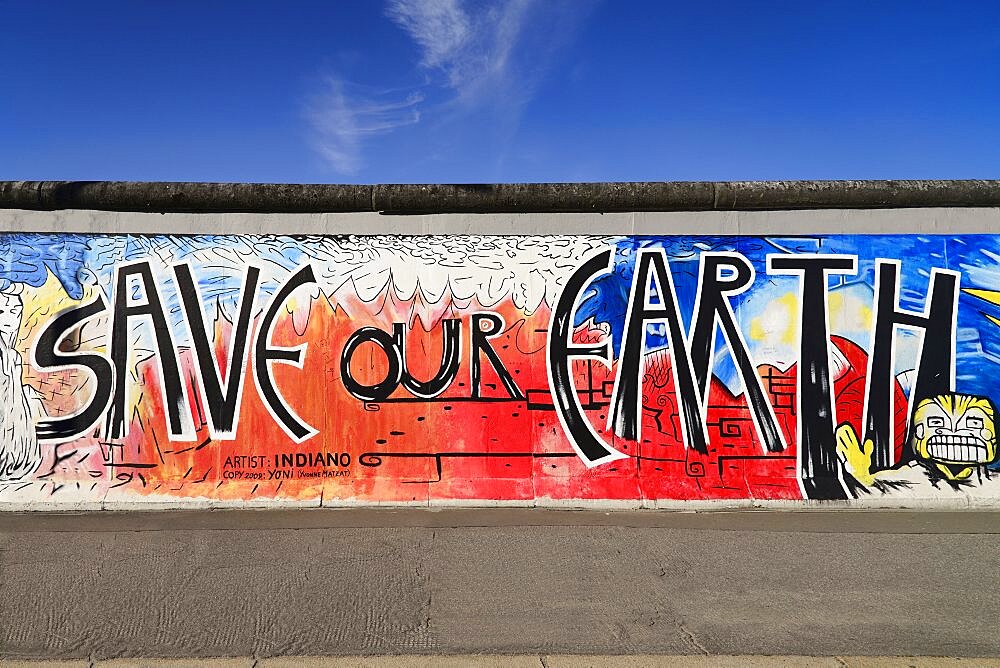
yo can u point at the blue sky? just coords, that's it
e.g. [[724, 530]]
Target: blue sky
[[507, 90]]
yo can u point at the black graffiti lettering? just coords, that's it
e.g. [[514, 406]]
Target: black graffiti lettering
[[713, 307], [46, 356], [562, 351], [627, 399], [451, 351], [934, 365], [381, 390], [264, 354], [222, 404], [123, 309], [481, 344], [819, 467], [222, 397], [394, 348]]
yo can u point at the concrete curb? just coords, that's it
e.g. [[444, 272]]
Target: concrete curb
[[38, 498], [839, 521], [164, 197], [518, 661]]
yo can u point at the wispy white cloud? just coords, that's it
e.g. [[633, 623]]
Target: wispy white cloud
[[343, 116], [440, 27], [472, 48], [484, 57]]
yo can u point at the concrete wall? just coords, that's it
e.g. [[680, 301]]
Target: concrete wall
[[628, 359]]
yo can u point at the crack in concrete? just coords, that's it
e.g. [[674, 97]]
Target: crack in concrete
[[692, 640], [430, 587]]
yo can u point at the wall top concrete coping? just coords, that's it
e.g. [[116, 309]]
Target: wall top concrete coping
[[167, 197]]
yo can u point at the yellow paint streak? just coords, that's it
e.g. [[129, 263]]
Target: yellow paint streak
[[956, 404], [991, 296], [835, 303], [41, 305]]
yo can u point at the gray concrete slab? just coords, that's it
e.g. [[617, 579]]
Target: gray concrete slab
[[520, 661], [266, 584], [932, 220], [814, 521]]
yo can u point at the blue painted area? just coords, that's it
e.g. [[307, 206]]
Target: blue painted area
[[29, 258], [216, 262], [606, 300]]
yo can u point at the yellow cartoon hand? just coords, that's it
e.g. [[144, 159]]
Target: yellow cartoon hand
[[857, 458]]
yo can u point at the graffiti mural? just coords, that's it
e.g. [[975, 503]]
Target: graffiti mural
[[533, 369]]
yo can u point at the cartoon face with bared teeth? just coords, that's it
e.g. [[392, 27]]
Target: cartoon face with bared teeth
[[956, 433]]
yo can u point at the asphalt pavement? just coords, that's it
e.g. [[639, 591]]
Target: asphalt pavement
[[500, 581]]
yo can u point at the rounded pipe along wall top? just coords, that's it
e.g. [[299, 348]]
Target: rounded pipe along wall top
[[169, 197]]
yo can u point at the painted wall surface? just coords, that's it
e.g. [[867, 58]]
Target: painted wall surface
[[549, 369]]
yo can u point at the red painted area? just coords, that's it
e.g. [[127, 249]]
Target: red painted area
[[454, 447]]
